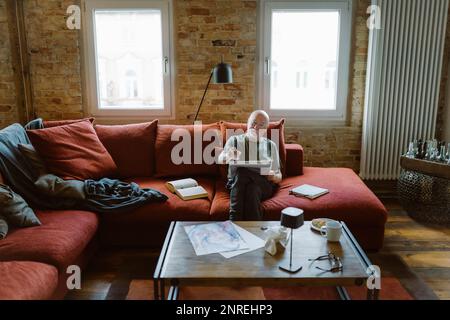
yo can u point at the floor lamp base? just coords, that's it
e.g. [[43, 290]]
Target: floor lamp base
[[291, 269]]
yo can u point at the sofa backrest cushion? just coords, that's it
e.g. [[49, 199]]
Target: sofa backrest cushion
[[57, 123], [73, 151], [228, 129], [164, 165], [132, 147]]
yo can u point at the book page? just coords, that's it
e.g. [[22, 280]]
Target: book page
[[181, 184], [192, 193]]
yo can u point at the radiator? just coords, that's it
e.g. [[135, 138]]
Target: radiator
[[403, 80]]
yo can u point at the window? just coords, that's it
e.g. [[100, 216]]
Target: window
[[304, 54], [128, 57]]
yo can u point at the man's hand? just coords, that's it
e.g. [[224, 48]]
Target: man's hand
[[231, 154], [273, 176]]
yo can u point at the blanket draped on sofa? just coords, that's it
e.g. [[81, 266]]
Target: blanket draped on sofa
[[105, 195]]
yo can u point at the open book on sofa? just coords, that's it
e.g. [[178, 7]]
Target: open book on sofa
[[187, 189]]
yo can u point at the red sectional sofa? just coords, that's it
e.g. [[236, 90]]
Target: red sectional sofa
[[33, 261]]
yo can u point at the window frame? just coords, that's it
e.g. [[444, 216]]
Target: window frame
[[345, 8], [90, 67]]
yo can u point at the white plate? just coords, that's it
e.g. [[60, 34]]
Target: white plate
[[318, 219]]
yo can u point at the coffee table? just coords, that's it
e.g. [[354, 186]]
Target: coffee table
[[178, 265]]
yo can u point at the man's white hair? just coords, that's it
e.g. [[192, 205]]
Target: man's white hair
[[255, 114]]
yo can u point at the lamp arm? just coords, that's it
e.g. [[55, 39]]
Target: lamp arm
[[204, 94]]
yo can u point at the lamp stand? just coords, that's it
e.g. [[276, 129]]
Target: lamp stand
[[204, 94], [289, 267]]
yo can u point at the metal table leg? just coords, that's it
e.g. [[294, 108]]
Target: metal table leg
[[343, 294], [155, 289]]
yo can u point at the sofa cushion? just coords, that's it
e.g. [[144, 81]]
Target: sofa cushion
[[132, 147], [73, 151], [229, 129], [57, 123], [147, 225], [349, 198], [60, 239], [165, 167], [294, 160], [27, 280]]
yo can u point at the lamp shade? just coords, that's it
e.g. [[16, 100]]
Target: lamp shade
[[222, 73], [292, 218]]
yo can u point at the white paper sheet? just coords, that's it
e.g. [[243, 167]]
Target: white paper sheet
[[215, 237], [253, 242]]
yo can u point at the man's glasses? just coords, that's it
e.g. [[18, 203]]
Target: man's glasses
[[336, 264]]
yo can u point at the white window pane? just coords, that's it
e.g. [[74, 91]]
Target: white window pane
[[129, 59], [304, 53]]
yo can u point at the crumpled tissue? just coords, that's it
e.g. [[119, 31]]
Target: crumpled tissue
[[276, 238]]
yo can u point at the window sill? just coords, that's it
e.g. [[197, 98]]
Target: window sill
[[110, 120], [310, 122]]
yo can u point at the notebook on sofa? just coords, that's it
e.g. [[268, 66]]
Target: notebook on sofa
[[309, 191], [187, 189]]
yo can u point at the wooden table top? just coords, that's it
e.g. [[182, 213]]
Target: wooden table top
[[179, 262]]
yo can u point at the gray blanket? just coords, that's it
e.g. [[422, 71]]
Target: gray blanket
[[105, 195]]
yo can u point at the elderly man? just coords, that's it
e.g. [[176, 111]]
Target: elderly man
[[248, 186]]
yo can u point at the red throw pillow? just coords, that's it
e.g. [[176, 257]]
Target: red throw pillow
[[165, 167], [57, 123], [132, 147], [73, 151], [277, 125]]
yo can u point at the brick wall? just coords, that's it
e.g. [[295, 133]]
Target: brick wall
[[207, 30], [204, 31], [8, 110], [54, 58]]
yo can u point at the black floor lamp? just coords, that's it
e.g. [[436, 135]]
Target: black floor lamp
[[221, 73]]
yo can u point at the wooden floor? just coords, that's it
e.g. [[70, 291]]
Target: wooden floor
[[425, 249]]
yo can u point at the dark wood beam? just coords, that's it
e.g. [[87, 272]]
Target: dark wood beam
[[20, 59]]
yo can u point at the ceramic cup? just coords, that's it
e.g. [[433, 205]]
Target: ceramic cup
[[332, 231]]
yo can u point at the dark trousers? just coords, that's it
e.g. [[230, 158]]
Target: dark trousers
[[247, 190]]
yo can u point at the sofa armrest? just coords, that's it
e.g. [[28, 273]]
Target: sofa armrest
[[294, 160]]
